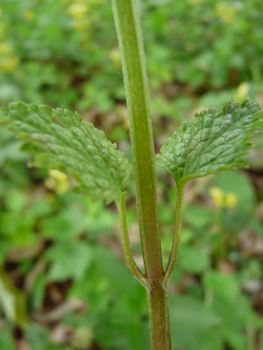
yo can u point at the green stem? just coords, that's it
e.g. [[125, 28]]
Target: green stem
[[134, 70], [159, 316], [135, 79], [177, 233], [126, 244]]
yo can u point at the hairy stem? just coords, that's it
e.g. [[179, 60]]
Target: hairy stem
[[135, 79], [177, 233], [134, 70], [159, 316]]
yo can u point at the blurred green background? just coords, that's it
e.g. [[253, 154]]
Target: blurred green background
[[63, 283]]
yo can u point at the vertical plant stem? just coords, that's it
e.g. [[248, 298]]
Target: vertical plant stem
[[159, 316], [134, 70]]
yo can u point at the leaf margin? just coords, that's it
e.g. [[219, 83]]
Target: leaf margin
[[44, 149], [245, 146]]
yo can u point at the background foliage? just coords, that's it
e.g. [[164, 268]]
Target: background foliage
[[63, 284]]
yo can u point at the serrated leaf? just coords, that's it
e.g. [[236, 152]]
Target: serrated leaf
[[216, 140], [59, 139]]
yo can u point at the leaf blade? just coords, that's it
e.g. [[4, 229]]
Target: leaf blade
[[59, 139], [215, 141]]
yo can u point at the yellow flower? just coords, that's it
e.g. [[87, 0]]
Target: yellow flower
[[57, 182], [114, 55], [29, 15], [231, 200], [242, 92], [221, 199], [78, 10], [5, 49], [226, 12], [9, 64], [217, 196]]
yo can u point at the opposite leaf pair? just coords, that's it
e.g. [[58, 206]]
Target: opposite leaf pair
[[59, 139]]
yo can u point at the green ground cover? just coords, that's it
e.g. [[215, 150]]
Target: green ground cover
[[63, 284]]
